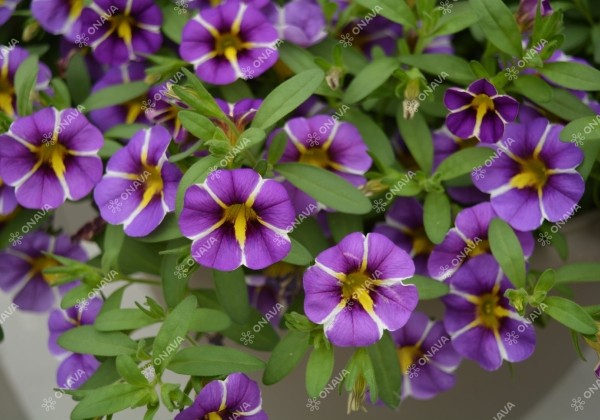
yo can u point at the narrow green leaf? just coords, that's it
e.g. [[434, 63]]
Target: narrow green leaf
[[194, 175], [534, 88], [436, 216], [286, 356], [578, 273], [507, 250], [428, 288], [298, 255], [374, 75], [123, 320], [499, 26], [318, 370], [232, 293], [249, 334], [341, 225], [462, 17], [107, 400], [114, 95], [124, 131], [572, 75], [373, 135], [463, 162], [546, 281], [78, 79], [209, 320], [565, 105], [586, 128], [25, 79], [129, 370], [417, 137], [571, 315], [388, 374], [174, 283], [88, 340], [395, 10], [112, 245], [459, 69], [208, 360], [197, 124]]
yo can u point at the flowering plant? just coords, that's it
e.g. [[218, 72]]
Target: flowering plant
[[321, 166]]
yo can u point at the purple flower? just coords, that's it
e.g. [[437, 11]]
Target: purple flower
[[468, 239], [404, 226], [372, 32], [120, 30], [163, 109], [127, 113], [241, 113], [300, 22], [8, 201], [11, 58], [7, 7], [236, 397], [479, 111], [237, 218], [58, 17], [527, 11], [207, 4], [231, 41], [51, 156], [427, 358], [24, 262], [140, 185], [326, 143], [483, 326], [75, 370], [355, 289], [440, 45], [533, 176]]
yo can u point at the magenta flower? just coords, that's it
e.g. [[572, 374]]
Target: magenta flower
[[355, 289], [300, 21], [24, 262], [483, 326], [427, 358], [224, 43], [237, 218], [140, 185], [236, 397], [479, 111], [533, 176], [51, 156]]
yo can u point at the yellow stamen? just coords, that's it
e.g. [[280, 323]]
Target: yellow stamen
[[53, 154], [123, 25], [42, 263], [239, 215], [357, 286], [407, 356], [489, 311], [533, 174], [482, 103], [421, 243], [316, 156], [481, 247], [76, 8], [154, 183]]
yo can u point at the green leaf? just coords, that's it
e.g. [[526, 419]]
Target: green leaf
[[78, 79], [172, 332], [325, 187], [533, 87], [232, 293], [208, 360], [112, 245], [277, 147], [388, 374], [507, 250], [570, 314], [373, 135], [286, 356], [572, 75], [106, 374], [318, 370], [417, 137], [124, 131], [586, 128], [195, 174], [546, 282], [25, 79], [264, 339], [578, 273], [287, 97], [62, 97], [428, 288], [341, 225], [436, 63], [123, 320], [298, 255], [107, 400], [395, 10], [129, 370], [463, 162], [374, 75], [109, 148], [499, 26], [114, 95], [113, 301], [88, 340], [209, 320], [75, 295], [173, 22], [197, 124], [174, 284], [462, 17], [207, 104], [565, 105], [166, 231], [436, 216]]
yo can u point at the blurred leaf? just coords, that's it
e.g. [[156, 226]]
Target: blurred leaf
[[570, 314], [374, 75], [318, 370], [499, 26], [286, 355], [208, 360], [86, 339], [507, 250], [436, 216], [232, 293]]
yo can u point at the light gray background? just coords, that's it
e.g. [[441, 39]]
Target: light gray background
[[540, 388]]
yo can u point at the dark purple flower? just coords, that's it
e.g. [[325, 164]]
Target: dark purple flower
[[479, 111], [404, 226], [61, 321], [237, 218], [440, 45], [8, 201], [58, 17], [231, 41], [241, 113], [527, 11], [355, 289], [140, 184], [483, 326], [75, 370], [207, 4], [468, 239], [164, 110], [533, 175], [121, 30], [51, 156], [24, 262], [300, 22], [7, 7], [372, 32], [236, 397], [427, 358]]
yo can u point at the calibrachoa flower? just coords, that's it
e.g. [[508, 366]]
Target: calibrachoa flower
[[241, 112], [10, 60], [8, 201], [120, 30], [533, 178], [51, 156], [244, 214], [24, 262], [481, 321], [224, 41], [165, 110], [355, 289], [236, 397], [427, 359], [7, 7], [140, 185], [326, 143], [300, 21], [479, 111], [58, 17], [527, 11], [468, 239], [404, 226]]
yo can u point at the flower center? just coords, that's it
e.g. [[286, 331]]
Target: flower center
[[7, 91], [421, 243], [123, 25], [533, 174], [482, 104], [239, 215], [356, 285], [478, 248], [228, 45], [76, 8], [465, 144], [213, 416], [489, 311], [407, 356], [52, 153], [41, 263], [134, 109], [315, 156]]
